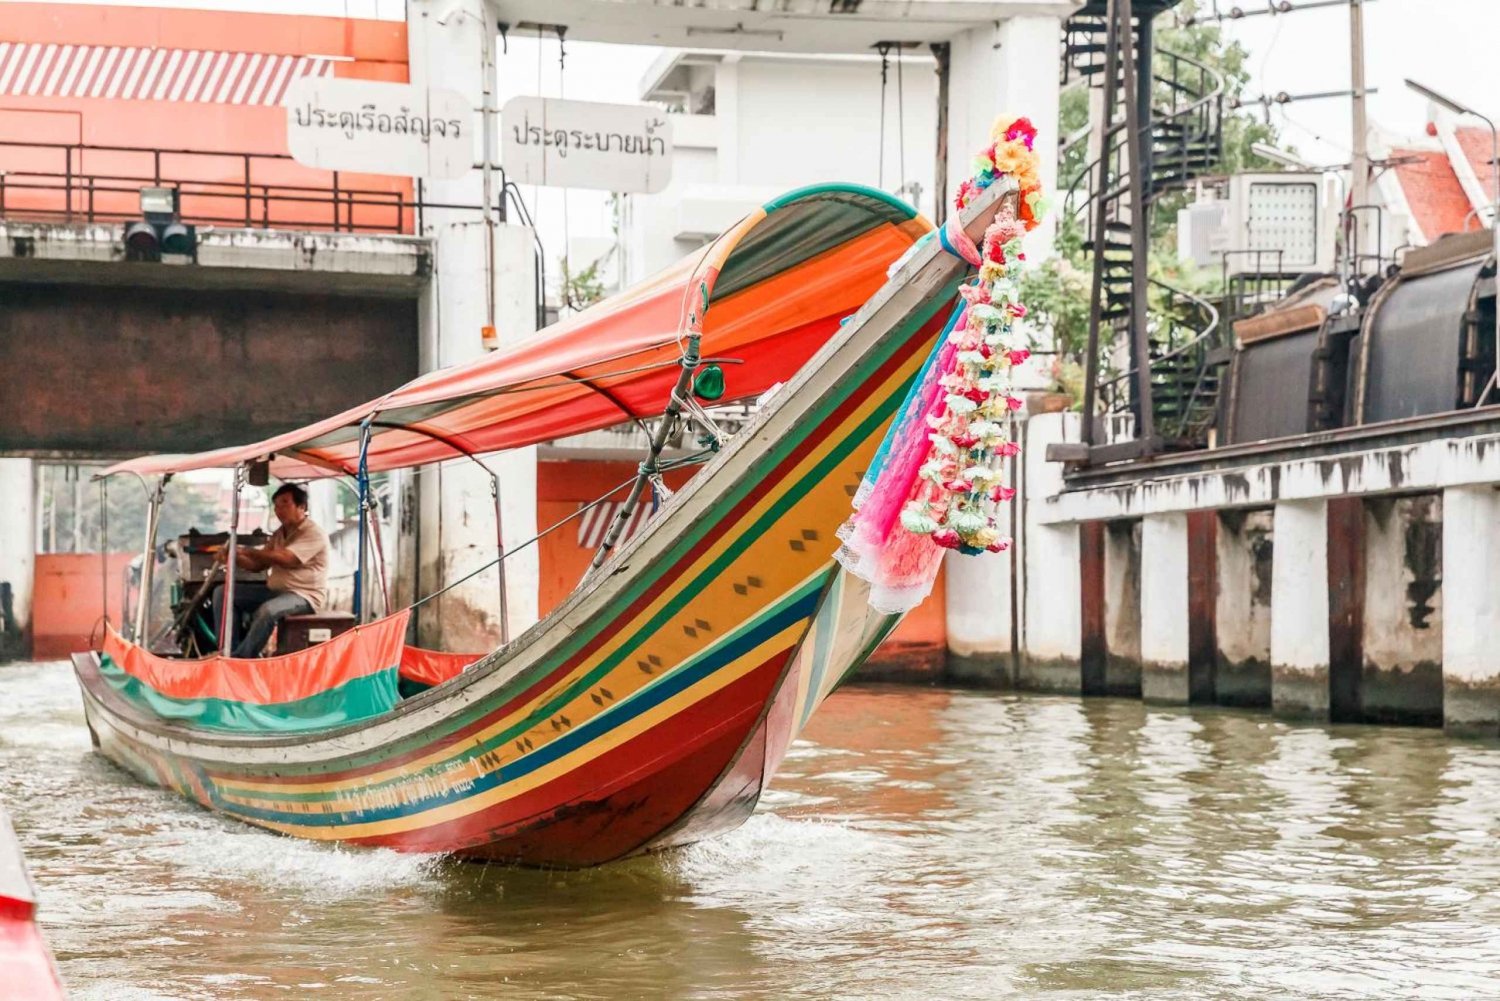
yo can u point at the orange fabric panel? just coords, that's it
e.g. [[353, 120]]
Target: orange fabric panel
[[232, 31], [361, 651], [67, 600], [433, 667]]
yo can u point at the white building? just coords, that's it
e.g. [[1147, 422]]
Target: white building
[[745, 130]]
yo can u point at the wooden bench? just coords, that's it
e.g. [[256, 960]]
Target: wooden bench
[[298, 632]]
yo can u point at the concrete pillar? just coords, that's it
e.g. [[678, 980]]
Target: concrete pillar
[[977, 596], [1122, 609], [1164, 608], [456, 510], [1402, 672], [17, 555], [1471, 607], [1299, 611], [482, 270], [1051, 626], [1010, 68], [1242, 671]]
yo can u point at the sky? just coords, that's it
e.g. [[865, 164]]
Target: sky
[[1446, 44]]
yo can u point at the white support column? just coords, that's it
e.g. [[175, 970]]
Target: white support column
[[474, 260], [1471, 611], [17, 552], [1052, 629], [1299, 610], [1164, 608], [1009, 68]]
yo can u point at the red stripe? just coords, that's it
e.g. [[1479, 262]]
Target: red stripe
[[799, 452]]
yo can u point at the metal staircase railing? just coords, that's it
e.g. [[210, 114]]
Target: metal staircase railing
[[1180, 140]]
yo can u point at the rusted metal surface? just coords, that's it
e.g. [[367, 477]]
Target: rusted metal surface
[[111, 371], [1094, 653], [1313, 445], [1346, 607], [1203, 602], [1272, 385], [1413, 343]]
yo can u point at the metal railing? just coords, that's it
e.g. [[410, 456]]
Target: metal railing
[[85, 183]]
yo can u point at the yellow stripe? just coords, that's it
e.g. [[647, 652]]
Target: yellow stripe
[[576, 759], [774, 570]]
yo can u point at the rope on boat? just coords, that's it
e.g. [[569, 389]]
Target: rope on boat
[[546, 531]]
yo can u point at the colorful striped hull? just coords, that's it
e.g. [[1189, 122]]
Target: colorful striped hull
[[654, 705]]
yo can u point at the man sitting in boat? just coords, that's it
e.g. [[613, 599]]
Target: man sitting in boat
[[296, 561]]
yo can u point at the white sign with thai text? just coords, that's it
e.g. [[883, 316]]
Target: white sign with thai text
[[576, 144], [379, 128]]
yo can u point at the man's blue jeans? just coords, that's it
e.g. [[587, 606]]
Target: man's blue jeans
[[270, 607]]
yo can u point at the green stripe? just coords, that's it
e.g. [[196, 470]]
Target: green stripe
[[801, 225], [812, 190], [688, 541], [358, 699], [744, 636]]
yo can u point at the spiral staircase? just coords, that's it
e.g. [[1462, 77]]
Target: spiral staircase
[[1179, 109]]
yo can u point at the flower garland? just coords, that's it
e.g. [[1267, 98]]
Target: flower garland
[[935, 483], [960, 485]]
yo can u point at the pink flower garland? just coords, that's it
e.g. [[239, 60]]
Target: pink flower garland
[[960, 488], [936, 483]]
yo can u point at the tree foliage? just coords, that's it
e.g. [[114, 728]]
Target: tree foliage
[[1058, 290]]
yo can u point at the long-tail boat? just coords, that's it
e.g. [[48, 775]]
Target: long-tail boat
[[26, 969], [652, 707]]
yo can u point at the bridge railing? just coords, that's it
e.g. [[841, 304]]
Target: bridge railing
[[78, 182]]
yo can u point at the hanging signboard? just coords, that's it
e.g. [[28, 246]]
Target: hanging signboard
[[576, 144], [379, 128]]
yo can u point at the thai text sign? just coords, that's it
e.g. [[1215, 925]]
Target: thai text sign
[[379, 128], [574, 144]]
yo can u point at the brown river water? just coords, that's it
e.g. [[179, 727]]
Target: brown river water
[[918, 844]]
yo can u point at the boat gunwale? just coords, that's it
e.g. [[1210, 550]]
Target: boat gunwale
[[506, 663]]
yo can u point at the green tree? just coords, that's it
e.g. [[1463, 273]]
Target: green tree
[[1058, 290]]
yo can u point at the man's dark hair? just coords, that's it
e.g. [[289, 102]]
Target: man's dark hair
[[299, 494]]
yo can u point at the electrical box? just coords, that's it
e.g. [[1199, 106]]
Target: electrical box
[[1270, 223]]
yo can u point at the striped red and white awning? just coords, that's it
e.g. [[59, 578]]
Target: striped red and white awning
[[594, 523], [33, 69]]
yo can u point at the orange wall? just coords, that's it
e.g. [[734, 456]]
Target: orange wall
[[346, 47], [67, 600]]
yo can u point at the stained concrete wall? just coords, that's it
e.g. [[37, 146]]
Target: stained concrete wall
[[1164, 609], [1122, 609], [1244, 550], [1471, 611], [1299, 609], [1402, 675], [1051, 629]]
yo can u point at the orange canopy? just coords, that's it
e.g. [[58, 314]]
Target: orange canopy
[[779, 283]]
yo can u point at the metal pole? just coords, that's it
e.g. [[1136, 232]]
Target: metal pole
[[363, 482], [1139, 188], [226, 620], [1359, 166], [649, 467], [487, 133], [1091, 362], [499, 556], [103, 539], [148, 560], [1495, 244], [942, 54]]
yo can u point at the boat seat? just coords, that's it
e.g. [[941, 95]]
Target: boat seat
[[298, 632]]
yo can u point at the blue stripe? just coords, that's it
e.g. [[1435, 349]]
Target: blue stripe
[[802, 604]]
